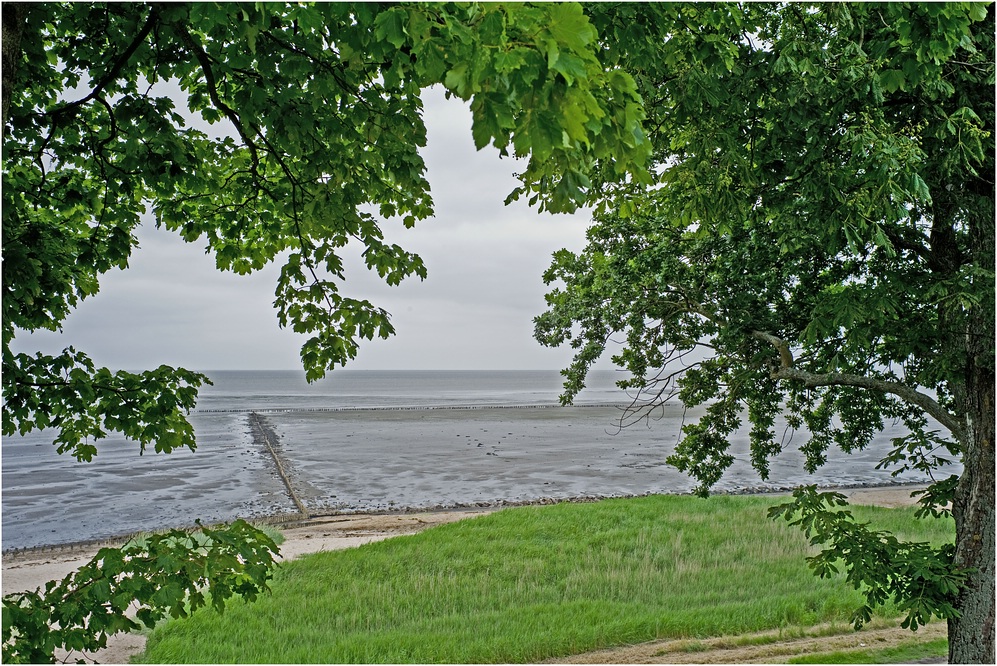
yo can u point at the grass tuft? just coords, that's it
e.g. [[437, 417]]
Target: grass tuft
[[907, 652]]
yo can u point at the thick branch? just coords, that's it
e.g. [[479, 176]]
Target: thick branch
[[786, 370], [115, 68], [209, 77], [902, 243], [785, 356]]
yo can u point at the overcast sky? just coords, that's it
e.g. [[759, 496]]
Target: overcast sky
[[474, 311]]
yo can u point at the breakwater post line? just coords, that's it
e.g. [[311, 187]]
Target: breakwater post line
[[262, 433]]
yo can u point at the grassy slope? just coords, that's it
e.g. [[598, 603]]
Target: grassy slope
[[527, 584]]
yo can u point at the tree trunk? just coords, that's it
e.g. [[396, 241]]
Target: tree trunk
[[971, 636], [13, 26]]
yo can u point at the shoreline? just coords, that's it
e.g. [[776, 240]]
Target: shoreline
[[293, 520]]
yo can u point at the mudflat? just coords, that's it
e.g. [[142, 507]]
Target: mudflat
[[378, 461]]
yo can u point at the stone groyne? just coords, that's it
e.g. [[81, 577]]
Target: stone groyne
[[264, 435]]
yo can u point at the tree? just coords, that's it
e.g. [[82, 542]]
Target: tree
[[320, 122], [819, 242], [319, 127]]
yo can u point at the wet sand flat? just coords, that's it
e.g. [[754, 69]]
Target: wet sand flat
[[382, 460], [391, 460]]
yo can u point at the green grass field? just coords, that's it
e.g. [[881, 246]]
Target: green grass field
[[527, 584]]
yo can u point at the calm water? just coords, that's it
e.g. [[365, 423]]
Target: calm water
[[373, 441], [351, 389]]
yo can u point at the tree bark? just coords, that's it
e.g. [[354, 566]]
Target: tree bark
[[13, 27], [971, 636]]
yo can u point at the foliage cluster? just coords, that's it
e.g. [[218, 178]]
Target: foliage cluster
[[819, 242], [170, 574], [920, 577], [809, 244]]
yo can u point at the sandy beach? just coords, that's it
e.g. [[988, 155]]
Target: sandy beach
[[29, 570]]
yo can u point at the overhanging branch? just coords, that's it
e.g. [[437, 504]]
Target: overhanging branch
[[114, 69], [209, 77], [786, 370]]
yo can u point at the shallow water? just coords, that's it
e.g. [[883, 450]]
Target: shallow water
[[398, 456], [51, 499]]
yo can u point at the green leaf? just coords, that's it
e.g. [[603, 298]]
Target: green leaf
[[570, 67], [892, 80], [390, 26], [570, 27], [456, 80], [223, 559]]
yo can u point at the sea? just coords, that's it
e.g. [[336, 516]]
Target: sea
[[380, 441]]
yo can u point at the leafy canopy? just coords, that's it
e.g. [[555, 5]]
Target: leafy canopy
[[810, 221], [307, 136]]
